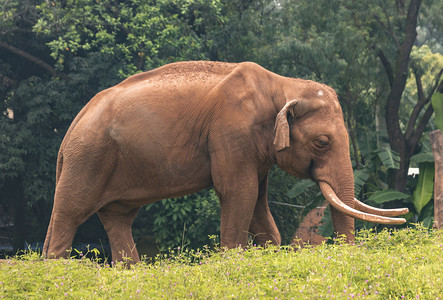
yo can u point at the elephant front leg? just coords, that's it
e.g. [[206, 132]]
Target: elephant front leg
[[263, 226], [343, 225], [238, 196]]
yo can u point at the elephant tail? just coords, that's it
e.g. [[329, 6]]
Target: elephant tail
[[57, 177], [58, 172], [59, 166], [48, 238]]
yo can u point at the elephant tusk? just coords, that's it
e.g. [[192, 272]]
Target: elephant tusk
[[378, 211], [332, 198]]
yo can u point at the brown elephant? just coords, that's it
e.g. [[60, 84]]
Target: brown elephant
[[185, 126]]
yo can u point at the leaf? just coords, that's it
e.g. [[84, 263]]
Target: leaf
[[360, 178], [426, 215], [300, 187], [387, 195], [326, 228], [367, 146], [423, 157], [437, 104], [425, 186], [389, 158]]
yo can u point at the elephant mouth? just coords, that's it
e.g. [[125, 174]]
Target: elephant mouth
[[362, 211]]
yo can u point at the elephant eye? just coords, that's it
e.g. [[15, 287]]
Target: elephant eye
[[322, 142]]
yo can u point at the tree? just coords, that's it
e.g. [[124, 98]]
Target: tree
[[397, 69], [143, 34], [358, 48], [20, 57]]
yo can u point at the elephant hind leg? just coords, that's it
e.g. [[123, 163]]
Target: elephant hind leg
[[59, 237], [263, 227], [71, 208], [117, 220]]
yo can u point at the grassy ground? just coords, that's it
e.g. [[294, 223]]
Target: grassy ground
[[400, 264]]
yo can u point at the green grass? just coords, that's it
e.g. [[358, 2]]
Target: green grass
[[400, 264]]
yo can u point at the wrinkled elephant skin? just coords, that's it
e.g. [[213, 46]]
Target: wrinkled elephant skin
[[185, 126]]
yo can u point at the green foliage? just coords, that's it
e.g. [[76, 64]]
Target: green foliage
[[425, 186], [422, 157], [387, 196], [287, 215], [425, 63], [300, 187], [437, 104], [389, 158], [143, 33], [378, 266], [339, 43], [11, 162], [427, 215], [360, 178], [186, 221], [326, 227]]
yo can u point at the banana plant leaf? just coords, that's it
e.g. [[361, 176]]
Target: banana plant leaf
[[423, 157], [425, 186], [360, 178], [437, 104], [387, 195], [389, 158], [300, 187], [326, 227]]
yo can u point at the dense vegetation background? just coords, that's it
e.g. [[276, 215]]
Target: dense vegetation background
[[384, 59]]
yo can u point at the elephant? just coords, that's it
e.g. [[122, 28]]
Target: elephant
[[186, 126]]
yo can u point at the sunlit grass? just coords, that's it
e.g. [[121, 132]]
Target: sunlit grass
[[399, 264]]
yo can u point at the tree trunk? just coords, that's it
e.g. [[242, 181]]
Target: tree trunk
[[14, 192], [398, 177], [436, 138], [397, 139]]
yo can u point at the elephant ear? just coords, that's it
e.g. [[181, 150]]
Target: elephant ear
[[281, 128], [296, 108]]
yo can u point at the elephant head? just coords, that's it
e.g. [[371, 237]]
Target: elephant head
[[311, 141]]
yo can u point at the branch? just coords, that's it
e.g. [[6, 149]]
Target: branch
[[415, 135], [388, 67], [387, 28], [348, 101], [35, 60], [422, 100], [401, 7], [438, 85], [395, 134]]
